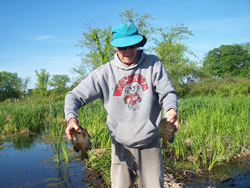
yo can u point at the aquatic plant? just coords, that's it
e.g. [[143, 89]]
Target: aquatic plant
[[212, 129], [60, 144]]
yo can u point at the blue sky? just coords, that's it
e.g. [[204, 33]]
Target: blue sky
[[42, 34]]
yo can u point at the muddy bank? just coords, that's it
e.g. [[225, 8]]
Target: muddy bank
[[171, 182], [95, 180], [235, 174]]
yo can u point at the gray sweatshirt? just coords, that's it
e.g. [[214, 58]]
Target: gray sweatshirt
[[133, 97]]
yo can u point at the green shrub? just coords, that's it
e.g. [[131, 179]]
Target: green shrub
[[228, 86]]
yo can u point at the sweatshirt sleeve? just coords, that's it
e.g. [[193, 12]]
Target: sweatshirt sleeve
[[163, 87], [88, 90]]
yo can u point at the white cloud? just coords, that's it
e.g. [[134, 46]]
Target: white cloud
[[43, 37], [38, 37]]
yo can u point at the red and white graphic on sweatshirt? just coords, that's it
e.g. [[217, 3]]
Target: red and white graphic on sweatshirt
[[131, 85]]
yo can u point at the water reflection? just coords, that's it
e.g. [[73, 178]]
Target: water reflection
[[28, 162], [231, 175], [22, 142]]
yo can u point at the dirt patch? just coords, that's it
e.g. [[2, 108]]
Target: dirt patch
[[95, 180]]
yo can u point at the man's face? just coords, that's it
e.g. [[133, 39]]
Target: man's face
[[127, 55]]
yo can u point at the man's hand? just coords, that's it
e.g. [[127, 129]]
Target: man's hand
[[72, 124], [171, 116]]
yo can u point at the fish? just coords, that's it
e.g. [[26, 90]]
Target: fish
[[81, 142], [166, 132]]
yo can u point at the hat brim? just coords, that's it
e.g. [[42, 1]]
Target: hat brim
[[143, 42], [129, 41]]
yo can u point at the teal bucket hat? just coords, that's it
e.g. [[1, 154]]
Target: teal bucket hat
[[126, 34]]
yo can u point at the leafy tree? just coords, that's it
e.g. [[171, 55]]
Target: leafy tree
[[232, 60], [172, 52], [81, 72], [25, 83], [246, 46], [42, 82], [59, 82], [98, 41], [10, 85], [100, 52]]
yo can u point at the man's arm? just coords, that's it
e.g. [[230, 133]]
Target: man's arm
[[87, 91]]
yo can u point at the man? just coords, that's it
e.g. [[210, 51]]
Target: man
[[134, 87]]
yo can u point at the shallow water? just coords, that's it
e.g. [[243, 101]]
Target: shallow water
[[235, 174], [29, 162]]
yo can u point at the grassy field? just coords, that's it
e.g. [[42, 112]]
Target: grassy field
[[212, 129]]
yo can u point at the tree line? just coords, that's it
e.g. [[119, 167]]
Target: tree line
[[12, 86], [185, 71]]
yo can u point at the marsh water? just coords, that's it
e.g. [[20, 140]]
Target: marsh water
[[235, 174], [29, 161]]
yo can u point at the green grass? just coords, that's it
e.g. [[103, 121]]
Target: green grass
[[212, 130], [18, 116], [93, 118]]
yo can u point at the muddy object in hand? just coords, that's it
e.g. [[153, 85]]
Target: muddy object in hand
[[81, 142], [166, 132]]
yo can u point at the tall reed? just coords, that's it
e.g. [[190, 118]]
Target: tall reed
[[60, 144], [212, 129], [93, 118], [16, 117]]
